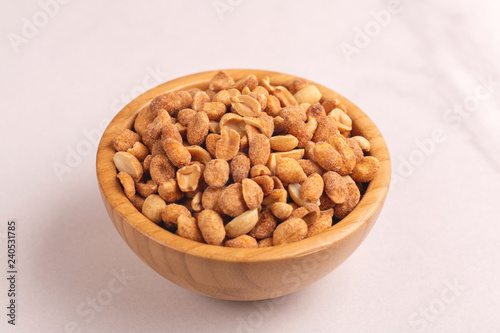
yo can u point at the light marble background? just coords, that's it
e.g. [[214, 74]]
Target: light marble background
[[440, 225]]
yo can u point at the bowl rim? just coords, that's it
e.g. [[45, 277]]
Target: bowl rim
[[111, 191]]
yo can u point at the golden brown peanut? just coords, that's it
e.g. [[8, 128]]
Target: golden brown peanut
[[292, 230], [184, 116], [331, 104], [266, 183], [265, 225], [344, 122], [273, 106], [278, 184], [199, 99], [298, 85], [267, 242], [240, 167], [211, 142], [186, 99], [199, 154], [327, 127], [220, 81], [325, 202], [335, 187], [157, 148], [312, 188], [126, 162], [310, 167], [285, 97], [260, 97], [211, 226], [214, 110], [139, 150], [259, 150], [187, 227], [216, 173], [152, 208], [147, 188], [210, 199], [243, 241], [346, 154], [232, 121], [224, 96], [252, 193], [170, 131], [144, 118], [281, 210], [283, 142], [250, 81], [309, 213], [266, 83], [293, 112], [316, 110], [155, 128], [322, 223], [231, 201], [138, 202], [170, 102], [125, 140], [228, 146], [277, 195], [352, 199], [172, 211], [245, 106], [274, 158], [290, 171], [197, 129], [196, 205], [279, 126], [327, 157], [161, 169], [263, 122], [309, 94], [188, 177], [242, 224], [311, 125], [259, 170], [177, 153], [363, 143], [366, 169], [294, 191], [356, 149], [147, 163], [169, 191], [299, 129], [128, 184]]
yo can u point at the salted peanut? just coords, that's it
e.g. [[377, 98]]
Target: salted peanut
[[143, 119], [139, 150], [292, 230], [147, 188], [366, 169], [265, 226], [186, 99], [240, 167], [210, 93], [294, 191], [311, 125], [231, 201], [309, 94], [232, 121], [157, 148], [335, 187], [161, 169], [309, 213], [310, 167], [274, 158], [260, 97], [187, 227], [299, 129], [285, 97], [184, 116], [259, 170], [278, 184], [279, 126], [199, 154], [263, 122], [242, 224], [328, 212], [267, 242], [245, 106], [252, 193], [170, 191], [266, 183], [170, 102], [312, 188], [152, 208], [261, 90], [329, 104], [281, 210], [250, 81], [316, 110], [188, 177], [344, 122], [259, 149], [170, 131], [346, 154], [246, 91], [290, 171], [196, 205], [211, 226], [216, 173], [327, 157], [228, 146], [309, 151], [224, 96], [325, 202], [283, 142], [363, 143], [275, 196], [171, 213], [293, 111], [197, 129], [210, 143], [147, 163], [273, 106], [322, 223], [125, 140], [266, 83], [177, 153], [352, 199], [126, 162], [220, 81], [155, 128], [193, 91], [243, 241], [298, 85], [138, 202], [128, 184], [214, 127], [356, 149], [210, 199], [327, 127], [214, 110], [199, 99]]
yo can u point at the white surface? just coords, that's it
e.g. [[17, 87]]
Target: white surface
[[440, 224]]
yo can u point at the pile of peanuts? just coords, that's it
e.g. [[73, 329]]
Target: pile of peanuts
[[244, 164]]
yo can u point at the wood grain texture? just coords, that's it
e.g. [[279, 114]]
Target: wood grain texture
[[229, 273]]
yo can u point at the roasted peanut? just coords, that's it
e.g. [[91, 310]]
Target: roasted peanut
[[147, 188], [128, 184], [283, 142], [169, 191], [252, 193], [199, 99], [281, 210], [214, 110], [216, 173], [211, 226], [335, 187], [265, 225], [312, 188], [310, 167], [363, 143], [322, 223], [327, 157], [356, 149], [366, 169], [259, 150], [259, 170], [228, 146], [243, 241], [290, 171], [250, 81], [188, 177], [197, 128], [298, 85], [139, 150], [240, 167], [210, 199], [171, 213], [220, 81], [290, 231], [126, 162], [352, 199], [170, 102], [285, 97], [125, 140], [309, 213], [242, 224], [245, 106], [187, 227], [231, 201], [266, 183], [161, 169], [152, 208], [267, 242], [177, 153], [309, 94]]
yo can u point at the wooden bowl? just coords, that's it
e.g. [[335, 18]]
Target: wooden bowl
[[232, 273]]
